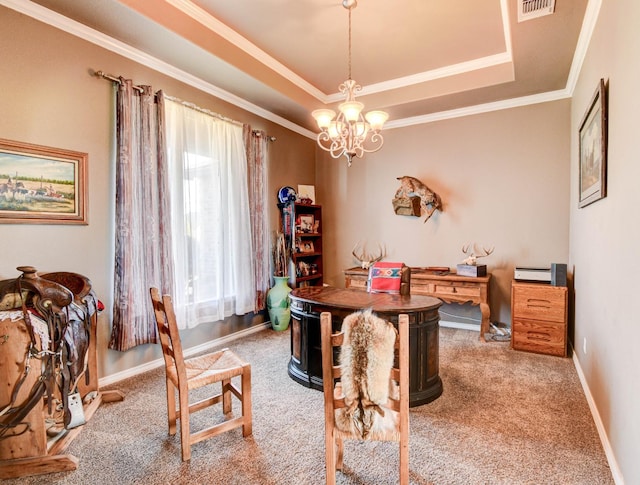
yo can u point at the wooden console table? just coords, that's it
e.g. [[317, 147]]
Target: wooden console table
[[305, 365], [449, 287]]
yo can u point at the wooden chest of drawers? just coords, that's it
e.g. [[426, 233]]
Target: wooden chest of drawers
[[539, 318]]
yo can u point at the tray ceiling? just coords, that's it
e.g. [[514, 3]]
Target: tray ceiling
[[415, 59]]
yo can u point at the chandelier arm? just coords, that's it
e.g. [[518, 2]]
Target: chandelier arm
[[375, 138], [335, 149]]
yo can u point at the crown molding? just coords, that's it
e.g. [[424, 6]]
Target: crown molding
[[98, 38], [479, 109], [421, 77], [82, 31], [584, 39], [209, 21]]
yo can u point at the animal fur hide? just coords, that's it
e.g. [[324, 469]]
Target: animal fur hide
[[366, 359]]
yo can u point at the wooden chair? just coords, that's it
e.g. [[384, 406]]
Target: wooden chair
[[335, 402], [184, 375]]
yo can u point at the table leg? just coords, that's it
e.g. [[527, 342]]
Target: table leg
[[484, 324]]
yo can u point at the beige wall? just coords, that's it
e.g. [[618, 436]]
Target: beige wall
[[48, 97], [605, 237], [503, 178]]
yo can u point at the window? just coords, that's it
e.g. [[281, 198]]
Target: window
[[210, 221]]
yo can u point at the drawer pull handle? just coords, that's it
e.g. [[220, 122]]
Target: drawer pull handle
[[535, 303], [538, 301], [534, 307], [539, 336]]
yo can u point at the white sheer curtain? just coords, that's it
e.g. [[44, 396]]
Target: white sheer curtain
[[214, 267]]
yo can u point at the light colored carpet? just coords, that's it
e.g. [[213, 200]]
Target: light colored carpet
[[505, 417]]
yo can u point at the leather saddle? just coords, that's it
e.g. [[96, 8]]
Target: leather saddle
[[65, 303]]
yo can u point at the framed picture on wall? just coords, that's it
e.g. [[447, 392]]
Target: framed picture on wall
[[41, 185], [593, 149]]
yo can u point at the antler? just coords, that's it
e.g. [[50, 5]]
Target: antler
[[366, 259], [472, 258], [486, 251]]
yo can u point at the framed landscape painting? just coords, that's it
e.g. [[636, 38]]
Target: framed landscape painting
[[41, 185], [593, 149]]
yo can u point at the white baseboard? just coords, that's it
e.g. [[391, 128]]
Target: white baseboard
[[154, 364], [463, 326], [602, 433]]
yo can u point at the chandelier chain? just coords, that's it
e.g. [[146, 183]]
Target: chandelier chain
[[350, 42]]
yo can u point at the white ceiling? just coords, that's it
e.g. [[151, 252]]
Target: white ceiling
[[416, 59]]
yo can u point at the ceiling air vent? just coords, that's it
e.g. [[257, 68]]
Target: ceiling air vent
[[531, 9]]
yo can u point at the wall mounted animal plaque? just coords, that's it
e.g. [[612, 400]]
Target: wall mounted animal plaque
[[413, 196]]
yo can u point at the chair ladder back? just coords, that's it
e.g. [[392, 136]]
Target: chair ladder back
[[176, 343], [168, 332], [403, 357], [163, 328], [329, 370]]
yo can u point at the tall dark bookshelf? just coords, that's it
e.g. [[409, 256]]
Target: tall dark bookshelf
[[302, 226]]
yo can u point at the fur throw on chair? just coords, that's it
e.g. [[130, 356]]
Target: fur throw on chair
[[366, 360]]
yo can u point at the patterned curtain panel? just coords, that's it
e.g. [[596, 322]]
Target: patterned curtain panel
[[142, 226], [257, 144]]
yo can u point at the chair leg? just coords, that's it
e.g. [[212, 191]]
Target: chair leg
[[404, 460], [185, 432], [330, 455], [247, 419], [226, 396], [171, 407], [340, 454]]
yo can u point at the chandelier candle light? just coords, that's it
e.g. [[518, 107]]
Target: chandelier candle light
[[348, 133]]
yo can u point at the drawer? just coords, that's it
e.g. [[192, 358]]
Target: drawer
[[462, 291], [357, 283], [540, 337], [421, 287], [546, 303]]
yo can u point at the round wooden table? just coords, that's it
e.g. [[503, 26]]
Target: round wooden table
[[305, 364]]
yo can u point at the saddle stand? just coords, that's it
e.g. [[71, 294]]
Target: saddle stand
[[48, 327]]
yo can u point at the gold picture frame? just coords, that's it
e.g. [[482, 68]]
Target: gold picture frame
[[42, 185], [593, 149]]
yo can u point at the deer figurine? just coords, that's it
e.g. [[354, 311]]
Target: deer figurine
[[472, 258]]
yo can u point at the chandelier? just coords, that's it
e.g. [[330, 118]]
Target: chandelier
[[350, 131]]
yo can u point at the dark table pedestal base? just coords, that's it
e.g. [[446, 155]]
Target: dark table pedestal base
[[305, 365]]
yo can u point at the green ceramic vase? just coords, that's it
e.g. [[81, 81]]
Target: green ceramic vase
[[278, 303]]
